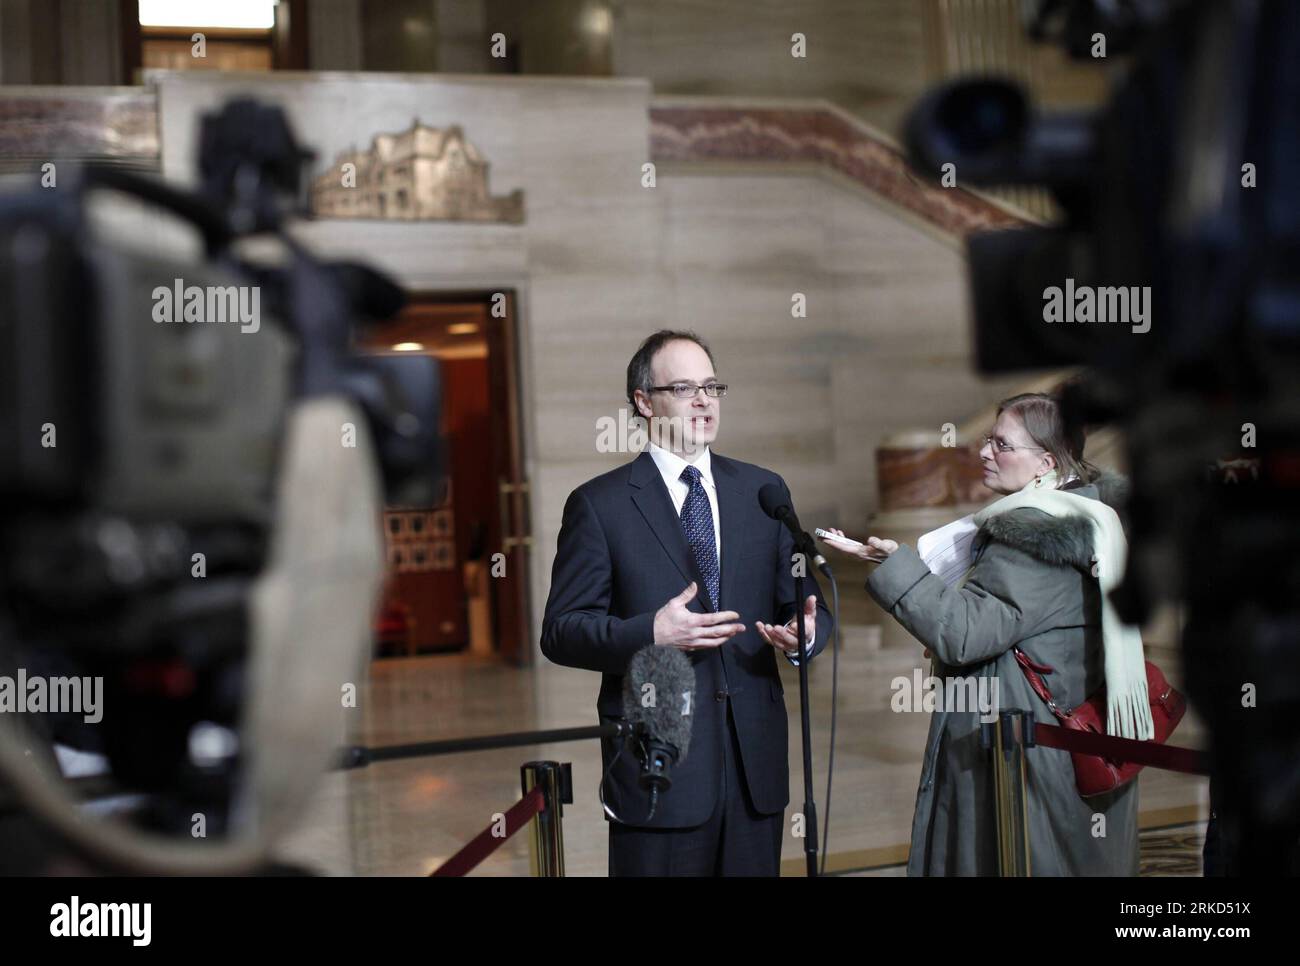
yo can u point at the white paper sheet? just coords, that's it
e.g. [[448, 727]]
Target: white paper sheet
[[946, 551]]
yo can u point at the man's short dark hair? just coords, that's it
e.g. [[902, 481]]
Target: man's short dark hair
[[639, 375]]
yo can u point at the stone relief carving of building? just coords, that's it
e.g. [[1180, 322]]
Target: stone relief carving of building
[[420, 174]]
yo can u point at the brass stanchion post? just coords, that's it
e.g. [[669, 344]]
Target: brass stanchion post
[[546, 841], [1006, 739]]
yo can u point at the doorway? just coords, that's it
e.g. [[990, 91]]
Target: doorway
[[458, 570]]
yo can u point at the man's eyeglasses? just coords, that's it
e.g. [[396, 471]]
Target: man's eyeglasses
[[687, 390], [1005, 447]]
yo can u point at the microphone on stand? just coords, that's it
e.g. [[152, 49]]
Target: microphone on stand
[[776, 504]]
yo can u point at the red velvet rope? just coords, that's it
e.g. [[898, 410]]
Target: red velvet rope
[[1123, 749], [485, 843], [1050, 736]]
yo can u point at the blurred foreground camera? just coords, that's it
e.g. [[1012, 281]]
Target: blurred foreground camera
[[1173, 272], [193, 461]]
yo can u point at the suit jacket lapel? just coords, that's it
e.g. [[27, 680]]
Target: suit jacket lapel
[[652, 500], [731, 519]]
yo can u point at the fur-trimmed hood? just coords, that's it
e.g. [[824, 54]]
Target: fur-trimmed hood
[[1057, 540]]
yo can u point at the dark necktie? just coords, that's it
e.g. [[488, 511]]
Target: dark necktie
[[697, 521]]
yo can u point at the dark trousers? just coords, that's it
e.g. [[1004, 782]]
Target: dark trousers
[[736, 840]]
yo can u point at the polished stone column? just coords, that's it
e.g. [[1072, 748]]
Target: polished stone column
[[462, 37], [399, 35], [334, 35], [58, 42]]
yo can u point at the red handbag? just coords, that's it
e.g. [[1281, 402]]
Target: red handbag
[[1096, 774]]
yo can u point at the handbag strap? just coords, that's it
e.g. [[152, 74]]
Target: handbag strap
[[1034, 674]]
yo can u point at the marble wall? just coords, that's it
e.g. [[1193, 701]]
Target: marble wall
[[720, 245], [586, 264]]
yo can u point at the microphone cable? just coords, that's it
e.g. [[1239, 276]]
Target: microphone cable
[[835, 685], [600, 789]]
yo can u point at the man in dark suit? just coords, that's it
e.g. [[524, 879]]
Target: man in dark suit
[[650, 553]]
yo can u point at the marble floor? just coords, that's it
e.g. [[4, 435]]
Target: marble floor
[[407, 817]]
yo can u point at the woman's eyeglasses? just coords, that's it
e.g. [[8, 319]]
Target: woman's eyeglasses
[[687, 390], [1002, 446]]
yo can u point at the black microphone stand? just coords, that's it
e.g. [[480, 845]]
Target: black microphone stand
[[805, 723], [775, 501]]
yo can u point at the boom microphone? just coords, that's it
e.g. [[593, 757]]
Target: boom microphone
[[775, 504], [658, 701]]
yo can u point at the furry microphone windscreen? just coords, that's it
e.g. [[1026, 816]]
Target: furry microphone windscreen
[[659, 693]]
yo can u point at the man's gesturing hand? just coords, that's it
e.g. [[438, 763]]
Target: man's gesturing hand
[[786, 638], [675, 626]]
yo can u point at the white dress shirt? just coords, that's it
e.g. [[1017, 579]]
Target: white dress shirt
[[670, 467]]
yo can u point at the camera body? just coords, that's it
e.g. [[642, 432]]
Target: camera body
[[194, 461]]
